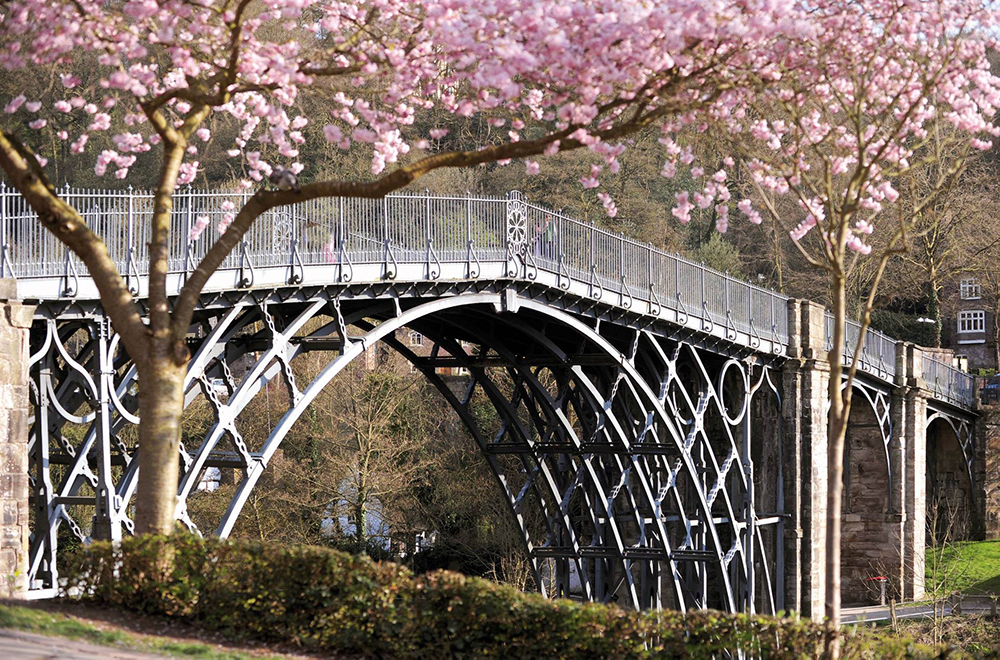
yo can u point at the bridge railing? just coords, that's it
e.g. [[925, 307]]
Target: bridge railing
[[878, 350], [947, 382], [401, 228], [412, 227], [639, 271], [421, 228]]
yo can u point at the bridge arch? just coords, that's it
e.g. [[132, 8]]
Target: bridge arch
[[870, 520], [638, 448], [949, 478], [606, 549]]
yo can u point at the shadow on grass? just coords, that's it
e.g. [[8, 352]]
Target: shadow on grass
[[977, 567], [37, 620]]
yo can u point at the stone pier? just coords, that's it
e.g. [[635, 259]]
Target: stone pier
[[883, 519], [15, 321], [988, 449], [806, 382]]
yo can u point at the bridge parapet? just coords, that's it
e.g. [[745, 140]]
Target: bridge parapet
[[414, 237], [878, 350], [405, 236], [946, 382]]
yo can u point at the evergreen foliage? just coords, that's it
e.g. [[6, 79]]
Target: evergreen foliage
[[334, 602]]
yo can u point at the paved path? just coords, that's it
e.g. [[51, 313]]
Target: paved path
[[851, 615], [871, 614], [18, 645]]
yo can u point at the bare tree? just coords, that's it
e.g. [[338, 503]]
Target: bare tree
[[944, 564], [385, 429], [955, 232]]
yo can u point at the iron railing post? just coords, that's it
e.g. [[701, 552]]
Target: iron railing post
[[704, 302], [774, 325], [3, 230], [427, 219], [468, 228], [129, 238], [649, 275], [385, 228], [621, 260], [559, 239], [341, 230], [130, 249], [593, 262], [677, 281], [189, 247], [506, 223], [246, 198]]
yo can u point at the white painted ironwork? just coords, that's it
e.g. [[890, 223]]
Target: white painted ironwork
[[638, 464], [878, 350], [947, 382], [400, 229], [653, 464]]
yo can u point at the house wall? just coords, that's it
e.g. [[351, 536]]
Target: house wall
[[979, 347]]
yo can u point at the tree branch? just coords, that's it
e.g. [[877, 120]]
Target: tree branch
[[265, 200], [65, 223]]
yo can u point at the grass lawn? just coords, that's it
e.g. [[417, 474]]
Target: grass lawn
[[972, 567], [40, 621]]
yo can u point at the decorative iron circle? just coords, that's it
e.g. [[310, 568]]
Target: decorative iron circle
[[517, 223], [735, 382], [281, 229]]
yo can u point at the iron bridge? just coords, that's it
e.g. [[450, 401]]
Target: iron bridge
[[639, 395]]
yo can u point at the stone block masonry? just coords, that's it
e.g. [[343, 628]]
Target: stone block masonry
[[806, 379], [988, 444], [15, 321], [883, 518]]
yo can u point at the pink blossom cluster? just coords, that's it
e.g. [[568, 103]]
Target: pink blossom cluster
[[857, 96], [826, 84], [573, 68]]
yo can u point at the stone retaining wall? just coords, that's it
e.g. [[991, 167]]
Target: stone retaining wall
[[15, 321]]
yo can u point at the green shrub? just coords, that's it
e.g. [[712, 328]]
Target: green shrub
[[328, 600]]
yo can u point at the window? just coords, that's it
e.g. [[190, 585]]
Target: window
[[416, 339], [970, 289], [974, 321]]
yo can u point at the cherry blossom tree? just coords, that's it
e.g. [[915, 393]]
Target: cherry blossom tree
[[566, 75], [879, 94]]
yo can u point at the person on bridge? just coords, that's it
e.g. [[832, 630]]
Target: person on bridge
[[545, 239]]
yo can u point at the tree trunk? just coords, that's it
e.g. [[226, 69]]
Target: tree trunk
[[161, 403], [836, 432], [934, 308], [361, 524], [778, 265], [996, 336]]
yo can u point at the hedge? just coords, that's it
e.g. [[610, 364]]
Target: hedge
[[328, 600]]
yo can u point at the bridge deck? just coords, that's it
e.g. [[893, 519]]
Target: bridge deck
[[423, 238]]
